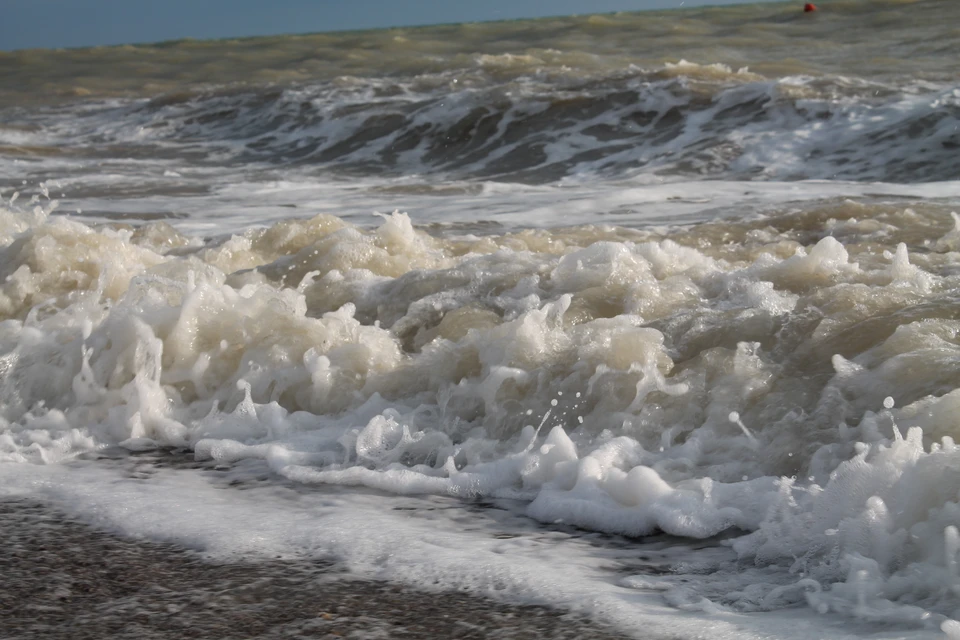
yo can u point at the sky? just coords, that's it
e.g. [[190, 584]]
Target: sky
[[77, 23]]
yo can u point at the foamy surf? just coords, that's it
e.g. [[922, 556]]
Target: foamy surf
[[661, 329], [680, 121], [756, 378]]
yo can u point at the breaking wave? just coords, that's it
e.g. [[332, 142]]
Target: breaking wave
[[682, 121], [788, 382]]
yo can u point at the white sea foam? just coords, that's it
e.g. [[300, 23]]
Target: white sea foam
[[791, 390], [672, 343]]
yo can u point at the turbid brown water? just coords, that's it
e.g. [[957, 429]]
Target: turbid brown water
[[691, 272], [865, 38]]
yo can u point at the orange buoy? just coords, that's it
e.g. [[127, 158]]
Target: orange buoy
[[807, 8]]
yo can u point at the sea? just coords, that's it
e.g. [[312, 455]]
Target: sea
[[651, 316]]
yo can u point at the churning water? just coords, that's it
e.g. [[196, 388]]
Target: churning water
[[675, 297]]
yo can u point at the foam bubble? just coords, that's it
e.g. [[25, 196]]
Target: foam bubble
[[409, 363]]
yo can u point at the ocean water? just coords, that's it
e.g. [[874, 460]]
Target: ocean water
[[651, 316]]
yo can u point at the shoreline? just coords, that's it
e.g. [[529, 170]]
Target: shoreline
[[65, 579]]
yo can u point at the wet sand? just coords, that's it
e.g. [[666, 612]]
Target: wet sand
[[64, 579]]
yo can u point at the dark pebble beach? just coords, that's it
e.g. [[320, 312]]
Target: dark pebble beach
[[62, 579]]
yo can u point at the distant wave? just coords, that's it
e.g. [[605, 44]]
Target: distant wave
[[684, 120]]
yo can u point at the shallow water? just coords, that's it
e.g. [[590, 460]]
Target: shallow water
[[691, 327], [63, 579]]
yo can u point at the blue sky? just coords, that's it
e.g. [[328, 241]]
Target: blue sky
[[74, 23]]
